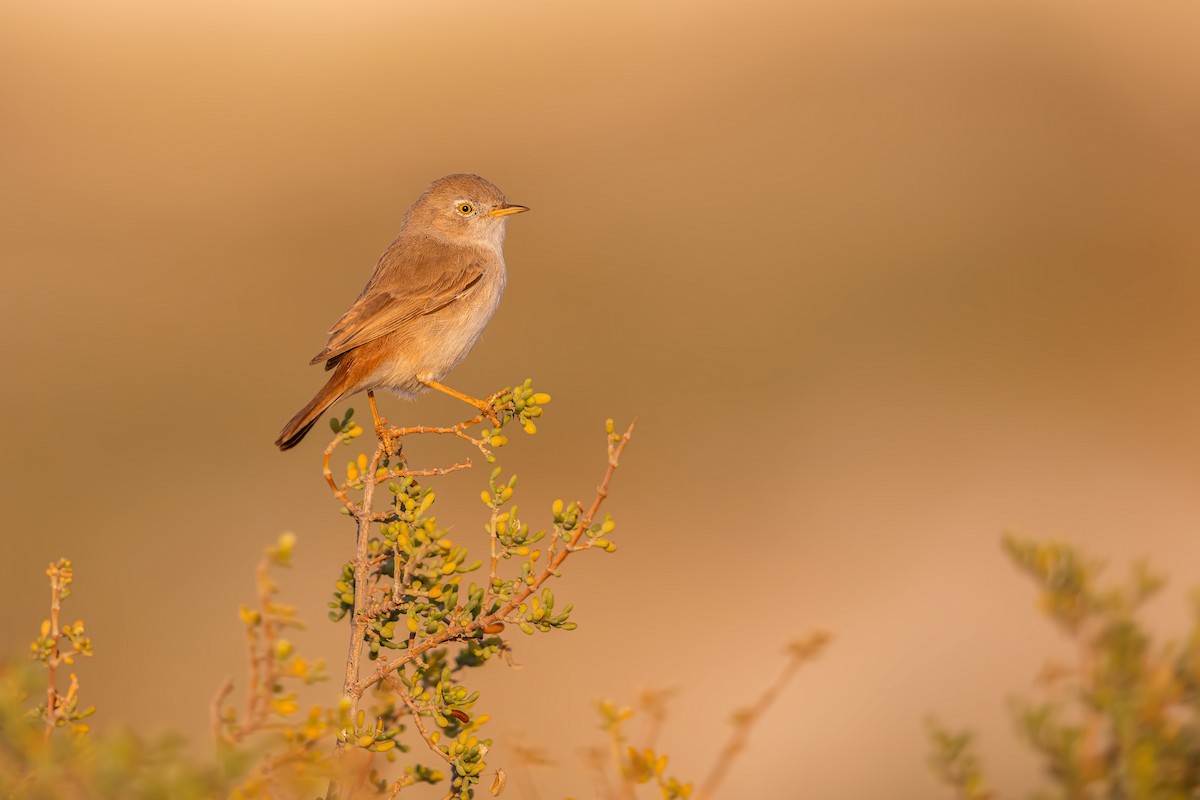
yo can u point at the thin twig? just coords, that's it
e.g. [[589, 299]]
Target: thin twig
[[338, 492], [458, 430], [214, 710], [489, 591], [595, 761], [421, 473], [745, 721], [398, 786], [654, 703], [260, 657], [52, 702], [262, 668], [628, 789], [415, 713], [1089, 747]]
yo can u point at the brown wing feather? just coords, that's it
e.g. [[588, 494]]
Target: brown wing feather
[[408, 282]]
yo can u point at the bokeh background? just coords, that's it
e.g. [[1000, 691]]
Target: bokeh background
[[880, 280]]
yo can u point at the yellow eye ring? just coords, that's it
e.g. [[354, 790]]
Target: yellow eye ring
[[465, 209]]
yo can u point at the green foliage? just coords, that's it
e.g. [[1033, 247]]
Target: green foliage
[[954, 762], [408, 590], [344, 425], [1123, 720], [520, 404]]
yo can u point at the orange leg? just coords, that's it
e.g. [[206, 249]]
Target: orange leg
[[381, 424], [482, 405]]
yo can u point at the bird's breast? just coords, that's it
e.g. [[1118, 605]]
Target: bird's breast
[[453, 330], [432, 345]]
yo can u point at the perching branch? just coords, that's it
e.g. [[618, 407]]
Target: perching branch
[[403, 589]]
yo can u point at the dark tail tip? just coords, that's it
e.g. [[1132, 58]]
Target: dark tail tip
[[306, 417], [290, 436]]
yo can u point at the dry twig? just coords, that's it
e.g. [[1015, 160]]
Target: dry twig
[[801, 651]]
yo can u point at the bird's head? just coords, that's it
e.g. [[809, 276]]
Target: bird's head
[[465, 209]]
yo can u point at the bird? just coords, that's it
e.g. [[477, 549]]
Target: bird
[[432, 293]]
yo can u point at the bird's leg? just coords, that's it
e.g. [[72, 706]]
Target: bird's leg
[[381, 424], [482, 405]]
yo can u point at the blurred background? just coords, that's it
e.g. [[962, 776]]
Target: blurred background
[[881, 281]]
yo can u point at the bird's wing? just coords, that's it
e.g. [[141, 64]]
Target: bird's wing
[[405, 286]]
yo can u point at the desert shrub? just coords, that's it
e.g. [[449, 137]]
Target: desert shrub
[[1122, 720], [421, 616]]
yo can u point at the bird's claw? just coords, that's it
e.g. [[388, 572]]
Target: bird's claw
[[384, 432]]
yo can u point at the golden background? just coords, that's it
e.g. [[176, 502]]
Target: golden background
[[880, 281]]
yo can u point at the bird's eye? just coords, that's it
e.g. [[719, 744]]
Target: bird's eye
[[465, 209]]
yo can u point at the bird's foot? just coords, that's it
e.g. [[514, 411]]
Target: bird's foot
[[489, 411], [392, 446]]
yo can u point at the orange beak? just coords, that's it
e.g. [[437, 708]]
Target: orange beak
[[506, 209]]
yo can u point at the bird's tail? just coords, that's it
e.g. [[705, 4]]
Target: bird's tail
[[305, 418]]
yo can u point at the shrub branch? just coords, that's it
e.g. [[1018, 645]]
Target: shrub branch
[[403, 590]]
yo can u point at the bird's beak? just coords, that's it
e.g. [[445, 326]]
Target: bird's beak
[[506, 209]]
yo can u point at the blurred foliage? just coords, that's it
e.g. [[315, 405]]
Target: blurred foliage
[[1123, 719], [954, 762], [633, 765], [626, 764], [47, 751], [59, 645]]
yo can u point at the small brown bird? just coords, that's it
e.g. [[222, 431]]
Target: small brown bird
[[432, 293]]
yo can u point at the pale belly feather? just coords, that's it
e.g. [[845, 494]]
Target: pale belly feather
[[434, 344]]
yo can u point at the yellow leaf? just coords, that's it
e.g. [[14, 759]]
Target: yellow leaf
[[285, 706]]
